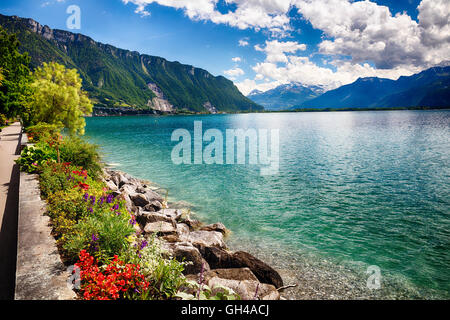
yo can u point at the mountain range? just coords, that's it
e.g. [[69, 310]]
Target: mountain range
[[429, 88], [285, 96], [118, 78]]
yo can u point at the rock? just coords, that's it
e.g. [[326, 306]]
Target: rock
[[152, 195], [160, 228], [216, 227], [182, 229], [205, 239], [122, 180], [111, 185], [188, 253], [262, 271], [246, 289], [217, 258], [175, 214], [239, 274], [139, 200], [153, 206], [128, 189], [128, 203], [145, 217], [192, 223]]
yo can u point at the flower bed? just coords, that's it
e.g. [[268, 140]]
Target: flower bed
[[93, 228]]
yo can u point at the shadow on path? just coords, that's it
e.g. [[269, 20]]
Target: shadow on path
[[8, 235]]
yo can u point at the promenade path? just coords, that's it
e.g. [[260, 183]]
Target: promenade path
[[9, 198]]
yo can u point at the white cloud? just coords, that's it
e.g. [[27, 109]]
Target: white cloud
[[234, 73], [276, 50], [366, 31], [236, 59], [256, 14], [243, 43], [360, 38]]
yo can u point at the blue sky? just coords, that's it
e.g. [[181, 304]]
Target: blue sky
[[260, 44]]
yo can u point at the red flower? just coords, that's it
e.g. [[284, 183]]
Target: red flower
[[117, 279]]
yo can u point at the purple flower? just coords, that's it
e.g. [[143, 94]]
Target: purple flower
[[101, 200], [109, 198], [143, 244], [116, 207], [92, 198], [91, 210], [86, 197], [94, 237]]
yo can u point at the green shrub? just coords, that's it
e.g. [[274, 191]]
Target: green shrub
[[43, 132], [33, 158], [164, 273], [103, 232], [81, 153], [3, 120]]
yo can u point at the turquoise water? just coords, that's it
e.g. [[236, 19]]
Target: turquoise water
[[353, 188]]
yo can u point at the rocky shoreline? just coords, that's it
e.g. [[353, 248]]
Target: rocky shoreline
[[187, 239]]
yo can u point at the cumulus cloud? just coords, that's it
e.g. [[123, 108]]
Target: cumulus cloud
[[234, 73], [360, 38], [236, 59], [366, 31], [243, 43], [255, 14], [276, 51]]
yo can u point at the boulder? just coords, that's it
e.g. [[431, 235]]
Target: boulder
[[192, 223], [182, 229], [188, 253], [262, 271], [246, 289], [161, 228], [175, 214], [219, 227], [217, 258], [205, 239], [153, 206], [239, 274], [145, 217], [139, 200], [128, 189], [111, 185]]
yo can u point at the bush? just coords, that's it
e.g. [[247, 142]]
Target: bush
[[33, 158], [81, 153], [3, 120], [43, 132], [104, 231], [164, 274]]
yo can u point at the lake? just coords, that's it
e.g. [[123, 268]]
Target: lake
[[353, 190]]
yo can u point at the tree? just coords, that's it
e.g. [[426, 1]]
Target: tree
[[15, 86], [58, 97]]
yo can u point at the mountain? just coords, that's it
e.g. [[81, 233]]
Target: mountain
[[121, 78], [285, 96], [429, 88]]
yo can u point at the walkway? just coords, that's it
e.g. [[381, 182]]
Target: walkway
[[9, 196]]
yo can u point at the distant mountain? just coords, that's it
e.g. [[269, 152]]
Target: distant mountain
[[120, 78], [285, 96], [430, 88]]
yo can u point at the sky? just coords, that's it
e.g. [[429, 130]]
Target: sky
[[261, 44]]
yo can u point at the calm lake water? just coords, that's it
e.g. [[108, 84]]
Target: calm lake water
[[354, 189]]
